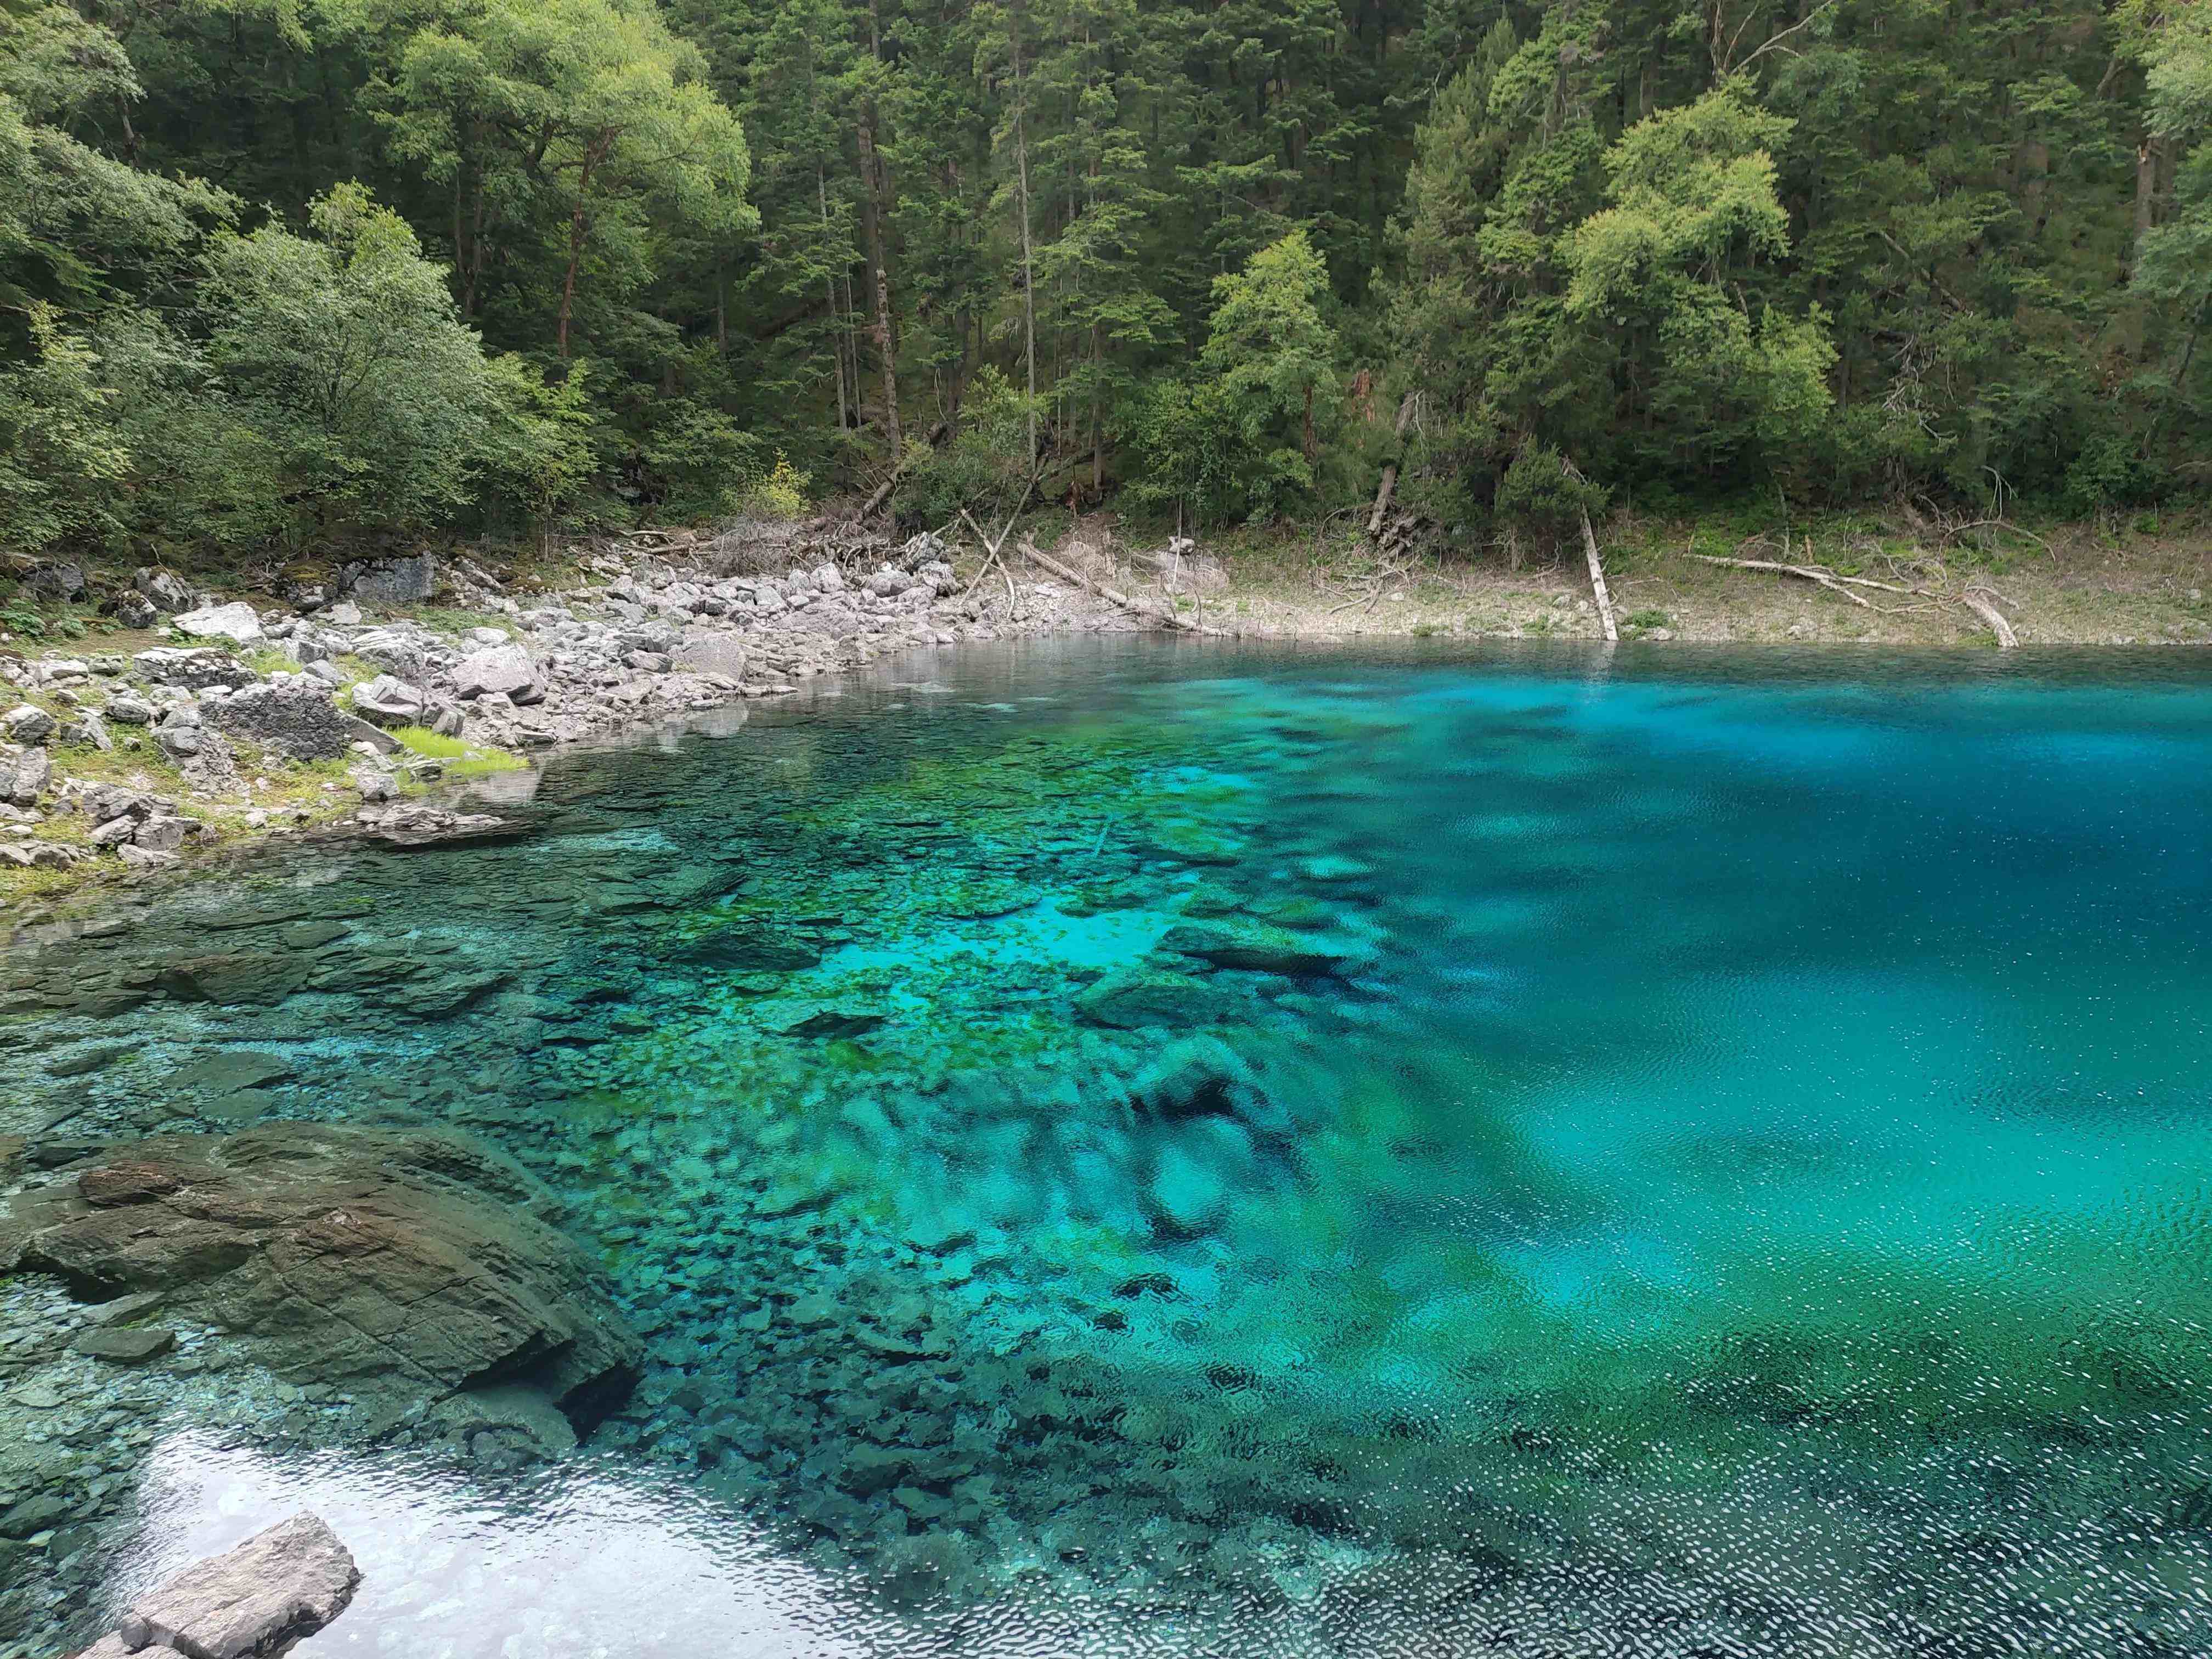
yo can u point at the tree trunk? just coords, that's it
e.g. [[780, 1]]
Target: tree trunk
[[829, 280], [2145, 186], [1390, 468], [1029, 267], [568, 282], [869, 171]]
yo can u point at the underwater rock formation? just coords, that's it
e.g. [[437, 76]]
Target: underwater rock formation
[[409, 1262]]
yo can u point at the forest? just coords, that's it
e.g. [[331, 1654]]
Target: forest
[[275, 273]]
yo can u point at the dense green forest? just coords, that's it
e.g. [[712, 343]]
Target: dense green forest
[[277, 271]]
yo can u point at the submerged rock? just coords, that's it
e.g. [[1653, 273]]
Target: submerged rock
[[406, 1259], [1139, 997]]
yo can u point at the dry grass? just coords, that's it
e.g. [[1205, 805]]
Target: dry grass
[[2071, 585]]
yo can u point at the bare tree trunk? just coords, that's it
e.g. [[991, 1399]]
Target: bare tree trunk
[[568, 282], [1597, 580], [1028, 268], [2145, 186], [870, 173], [829, 280], [1390, 468]]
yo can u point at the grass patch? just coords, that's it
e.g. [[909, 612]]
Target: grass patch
[[461, 758]]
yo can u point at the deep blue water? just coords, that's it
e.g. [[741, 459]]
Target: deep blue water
[[1128, 1149]]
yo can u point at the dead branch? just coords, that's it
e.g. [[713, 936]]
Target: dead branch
[[1135, 607]]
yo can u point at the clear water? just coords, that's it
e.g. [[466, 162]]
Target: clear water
[[1722, 1170]]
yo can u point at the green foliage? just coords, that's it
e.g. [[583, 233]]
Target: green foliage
[[1242, 441], [58, 456], [343, 354]]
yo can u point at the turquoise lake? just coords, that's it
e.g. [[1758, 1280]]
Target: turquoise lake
[[1126, 1149]]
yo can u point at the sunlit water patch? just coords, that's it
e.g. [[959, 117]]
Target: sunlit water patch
[[1126, 1150]]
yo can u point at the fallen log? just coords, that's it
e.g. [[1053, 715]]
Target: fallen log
[[1597, 580], [1134, 607], [1977, 600], [1827, 579]]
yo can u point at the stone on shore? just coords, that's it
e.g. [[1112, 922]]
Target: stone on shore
[[389, 700], [132, 1346], [278, 1586], [295, 717], [507, 669], [194, 667], [235, 621]]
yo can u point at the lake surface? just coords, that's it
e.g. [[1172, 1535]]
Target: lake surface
[[1127, 1149]]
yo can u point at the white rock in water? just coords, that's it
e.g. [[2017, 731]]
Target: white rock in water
[[277, 1586], [235, 621]]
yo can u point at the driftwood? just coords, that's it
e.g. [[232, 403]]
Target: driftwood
[[1977, 600], [1827, 579], [1134, 607], [1597, 580]]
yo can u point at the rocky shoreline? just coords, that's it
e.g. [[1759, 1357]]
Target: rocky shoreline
[[250, 721]]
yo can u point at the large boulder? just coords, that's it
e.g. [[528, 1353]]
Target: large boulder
[[707, 653], [283, 1583], [296, 717], [391, 581], [165, 590], [194, 667], [507, 669], [235, 621], [389, 700], [409, 1262], [59, 581]]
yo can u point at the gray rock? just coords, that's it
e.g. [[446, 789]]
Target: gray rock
[[375, 786], [132, 1345], [391, 581], [327, 671], [714, 654], [87, 729], [165, 590], [277, 1587], [141, 858], [388, 701], [164, 833], [115, 832], [27, 723], [56, 581], [28, 778], [136, 610], [298, 718], [235, 621], [106, 801], [194, 667], [38, 854], [128, 710], [647, 662], [344, 614], [504, 668]]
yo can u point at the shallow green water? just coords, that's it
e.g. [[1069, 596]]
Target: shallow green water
[[1126, 1150]]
